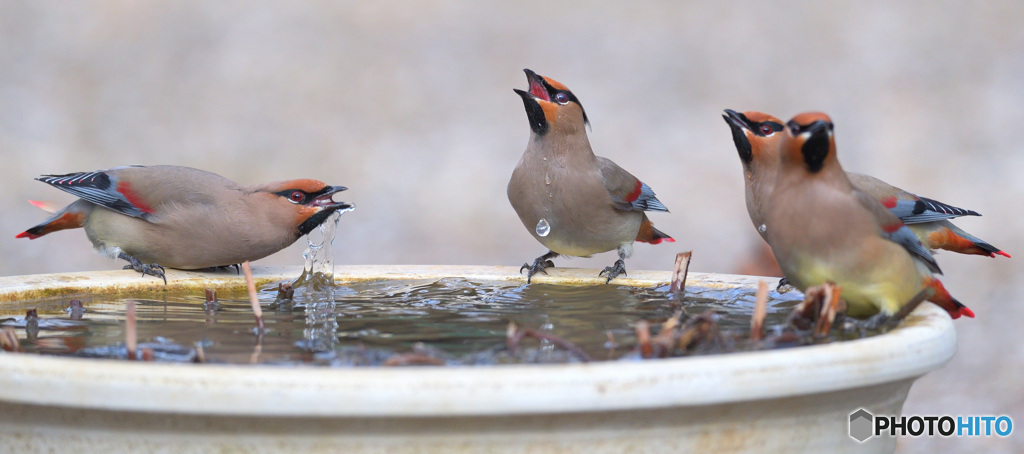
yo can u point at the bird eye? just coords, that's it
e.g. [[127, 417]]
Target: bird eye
[[296, 196], [766, 130], [561, 98]]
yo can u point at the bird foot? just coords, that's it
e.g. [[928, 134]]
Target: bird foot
[[152, 269], [541, 264], [614, 271], [784, 286]]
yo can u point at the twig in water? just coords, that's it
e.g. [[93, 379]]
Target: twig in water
[[760, 312], [31, 325], [75, 309], [9, 340], [701, 329], [643, 339], [285, 291], [663, 344], [253, 297], [514, 335], [830, 305], [413, 359], [682, 267], [200, 353], [611, 345], [131, 342]]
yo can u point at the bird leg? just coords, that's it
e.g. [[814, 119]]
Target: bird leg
[[619, 267], [134, 264], [540, 264]]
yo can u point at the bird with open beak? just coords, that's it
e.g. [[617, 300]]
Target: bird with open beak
[[571, 201], [180, 217]]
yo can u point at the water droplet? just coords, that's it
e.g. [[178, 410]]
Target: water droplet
[[545, 159], [547, 179], [762, 228], [543, 228]]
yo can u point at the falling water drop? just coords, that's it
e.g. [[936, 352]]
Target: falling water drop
[[547, 179], [543, 228], [762, 228]]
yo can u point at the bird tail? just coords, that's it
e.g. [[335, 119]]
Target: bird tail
[[946, 301], [71, 217], [954, 239], [649, 234]]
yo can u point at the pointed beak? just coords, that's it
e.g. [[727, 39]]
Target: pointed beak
[[537, 89], [736, 120], [325, 199], [326, 206]]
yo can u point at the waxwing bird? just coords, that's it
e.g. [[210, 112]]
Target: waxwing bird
[[823, 229], [180, 217], [573, 202], [757, 137]]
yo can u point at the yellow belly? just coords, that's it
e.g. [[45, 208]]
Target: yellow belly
[[884, 288]]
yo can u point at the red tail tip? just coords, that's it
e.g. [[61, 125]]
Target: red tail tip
[[1002, 253], [26, 235], [667, 239], [965, 311]]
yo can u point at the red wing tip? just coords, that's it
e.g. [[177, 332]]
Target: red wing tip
[[26, 235], [1002, 253], [965, 311]]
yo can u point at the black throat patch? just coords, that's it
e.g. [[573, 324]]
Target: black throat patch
[[815, 150], [534, 113], [742, 143]]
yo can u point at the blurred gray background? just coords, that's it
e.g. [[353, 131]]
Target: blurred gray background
[[410, 105]]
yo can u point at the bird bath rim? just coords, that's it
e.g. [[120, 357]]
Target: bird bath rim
[[924, 342]]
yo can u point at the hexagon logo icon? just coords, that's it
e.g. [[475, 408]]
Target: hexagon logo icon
[[861, 425]]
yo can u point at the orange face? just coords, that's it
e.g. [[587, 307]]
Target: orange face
[[549, 103], [809, 140], [310, 201], [756, 135]]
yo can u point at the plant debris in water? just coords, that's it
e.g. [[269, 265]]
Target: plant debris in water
[[422, 322]]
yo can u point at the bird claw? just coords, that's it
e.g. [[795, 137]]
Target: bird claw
[[153, 269], [614, 271], [541, 265], [784, 286]]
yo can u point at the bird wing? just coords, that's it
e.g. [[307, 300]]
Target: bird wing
[[910, 208], [922, 209], [628, 192], [893, 229], [103, 189]]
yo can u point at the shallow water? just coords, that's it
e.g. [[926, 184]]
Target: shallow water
[[450, 321]]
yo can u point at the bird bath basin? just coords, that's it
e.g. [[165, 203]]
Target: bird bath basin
[[778, 400]]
